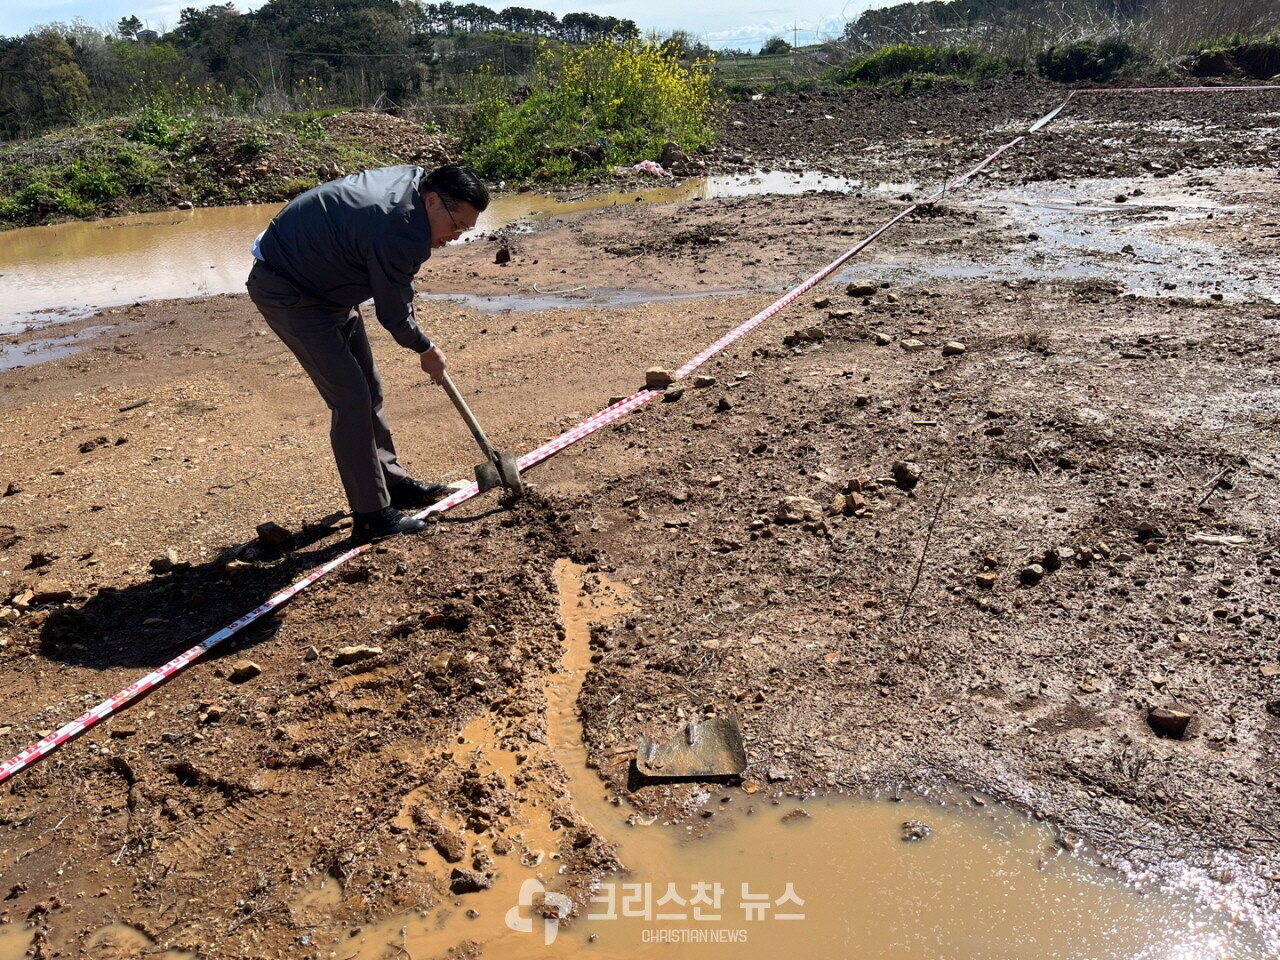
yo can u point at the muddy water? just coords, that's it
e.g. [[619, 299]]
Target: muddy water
[[1076, 230], [14, 941], [72, 269], [831, 877]]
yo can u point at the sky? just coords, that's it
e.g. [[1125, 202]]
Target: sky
[[718, 23]]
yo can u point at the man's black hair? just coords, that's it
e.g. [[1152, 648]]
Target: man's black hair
[[454, 185]]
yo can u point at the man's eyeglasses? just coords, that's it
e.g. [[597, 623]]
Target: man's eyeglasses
[[457, 230]]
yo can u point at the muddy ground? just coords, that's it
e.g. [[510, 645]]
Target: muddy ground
[[886, 631]]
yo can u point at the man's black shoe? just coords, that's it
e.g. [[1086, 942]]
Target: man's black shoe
[[410, 494], [386, 522]]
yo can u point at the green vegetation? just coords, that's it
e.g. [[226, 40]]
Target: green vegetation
[[615, 101], [1081, 40], [1086, 60], [901, 61], [1255, 57], [160, 157]]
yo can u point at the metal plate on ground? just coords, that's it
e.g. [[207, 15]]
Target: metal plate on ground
[[712, 748]]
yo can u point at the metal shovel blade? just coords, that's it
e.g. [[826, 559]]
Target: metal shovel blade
[[487, 476], [509, 474], [502, 473], [712, 748]]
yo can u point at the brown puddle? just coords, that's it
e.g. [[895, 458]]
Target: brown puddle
[[75, 268], [15, 939], [831, 876]]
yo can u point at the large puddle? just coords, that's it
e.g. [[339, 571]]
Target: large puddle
[[1075, 230], [831, 876], [73, 269]]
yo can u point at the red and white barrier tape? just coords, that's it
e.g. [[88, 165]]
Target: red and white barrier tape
[[587, 427]]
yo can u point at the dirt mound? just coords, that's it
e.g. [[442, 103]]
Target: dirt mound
[[385, 134]]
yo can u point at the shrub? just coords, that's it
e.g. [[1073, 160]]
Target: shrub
[[159, 126], [615, 101], [1085, 60], [1256, 57], [905, 60], [96, 184]]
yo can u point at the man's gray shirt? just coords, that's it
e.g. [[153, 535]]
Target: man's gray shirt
[[362, 236]]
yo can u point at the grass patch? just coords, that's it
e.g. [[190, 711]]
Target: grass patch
[[162, 155], [58, 178], [905, 61]]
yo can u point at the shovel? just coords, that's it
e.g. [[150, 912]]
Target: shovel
[[498, 469]]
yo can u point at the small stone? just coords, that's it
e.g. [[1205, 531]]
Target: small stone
[[915, 830], [243, 670], [355, 654], [503, 255], [912, 345], [1270, 669], [861, 288], [822, 303], [10, 615], [1148, 531], [953, 348], [702, 381], [672, 394], [750, 786], [883, 339], [51, 591], [166, 562], [311, 655], [12, 490], [1169, 722], [799, 813], [185, 205], [467, 881], [986, 580], [215, 713], [906, 473], [1032, 574], [449, 845], [271, 534], [658, 378], [796, 510], [778, 771], [23, 600], [724, 405]]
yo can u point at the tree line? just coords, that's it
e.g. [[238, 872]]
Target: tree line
[[287, 54]]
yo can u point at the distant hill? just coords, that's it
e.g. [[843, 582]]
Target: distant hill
[[1167, 23]]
